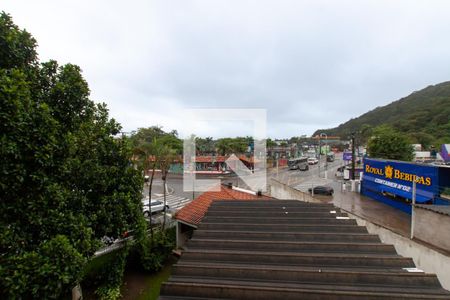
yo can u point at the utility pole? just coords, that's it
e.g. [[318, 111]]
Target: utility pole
[[326, 155], [413, 204], [353, 156], [318, 164]]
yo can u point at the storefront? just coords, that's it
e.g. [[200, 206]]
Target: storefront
[[391, 182]]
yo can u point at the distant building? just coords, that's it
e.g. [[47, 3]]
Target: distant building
[[283, 152], [417, 147], [422, 156]]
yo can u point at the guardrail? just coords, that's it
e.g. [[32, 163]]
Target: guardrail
[[120, 243]]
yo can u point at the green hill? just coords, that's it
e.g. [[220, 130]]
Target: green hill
[[424, 116]]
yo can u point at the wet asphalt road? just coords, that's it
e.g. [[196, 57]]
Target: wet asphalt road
[[283, 174]]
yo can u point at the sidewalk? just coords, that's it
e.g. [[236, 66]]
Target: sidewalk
[[369, 209], [373, 211], [359, 205]]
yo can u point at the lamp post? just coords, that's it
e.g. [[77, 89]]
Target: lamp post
[[318, 164], [353, 155], [326, 156]]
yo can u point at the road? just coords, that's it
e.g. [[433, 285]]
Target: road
[[293, 178]]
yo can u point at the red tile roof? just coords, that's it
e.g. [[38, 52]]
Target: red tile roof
[[250, 159], [193, 212], [210, 159]]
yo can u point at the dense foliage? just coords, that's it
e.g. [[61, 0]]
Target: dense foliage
[[156, 250], [145, 137], [65, 181], [388, 143], [424, 116]]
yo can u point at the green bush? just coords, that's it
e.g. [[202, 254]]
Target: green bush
[[108, 292], [154, 253], [105, 273]]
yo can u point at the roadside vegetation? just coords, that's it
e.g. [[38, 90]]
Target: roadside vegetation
[[386, 142]]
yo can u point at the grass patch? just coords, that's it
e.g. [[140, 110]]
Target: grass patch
[[141, 285]]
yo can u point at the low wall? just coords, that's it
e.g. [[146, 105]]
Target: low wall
[[432, 227], [426, 259], [282, 191]]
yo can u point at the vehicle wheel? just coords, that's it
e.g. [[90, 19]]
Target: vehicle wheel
[[146, 214]]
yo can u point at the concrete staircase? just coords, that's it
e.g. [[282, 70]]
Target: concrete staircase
[[286, 249]]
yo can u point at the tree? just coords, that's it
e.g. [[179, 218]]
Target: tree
[[17, 47], [232, 145], [224, 146], [65, 181], [387, 143], [147, 143], [147, 148], [270, 143], [422, 138], [364, 133], [204, 146], [155, 148], [166, 158]]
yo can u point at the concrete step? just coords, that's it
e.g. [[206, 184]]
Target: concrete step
[[274, 214], [231, 289], [284, 236], [350, 228], [298, 259], [254, 250], [279, 220], [186, 298], [291, 246], [306, 275], [373, 269], [271, 209], [268, 204]]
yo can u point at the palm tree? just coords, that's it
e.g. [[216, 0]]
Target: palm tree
[[167, 156], [148, 155]]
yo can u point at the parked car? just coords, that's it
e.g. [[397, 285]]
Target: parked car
[[303, 167], [293, 167], [156, 206], [312, 161], [322, 190]]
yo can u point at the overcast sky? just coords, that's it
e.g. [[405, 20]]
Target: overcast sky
[[311, 64]]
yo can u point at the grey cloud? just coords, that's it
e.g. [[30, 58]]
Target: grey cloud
[[311, 64]]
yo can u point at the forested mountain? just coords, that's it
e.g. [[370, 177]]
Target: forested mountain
[[424, 116]]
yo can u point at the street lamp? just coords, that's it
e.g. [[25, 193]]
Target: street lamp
[[353, 155], [326, 147], [326, 156]]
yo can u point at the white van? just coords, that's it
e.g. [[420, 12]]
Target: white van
[[312, 161], [155, 207]]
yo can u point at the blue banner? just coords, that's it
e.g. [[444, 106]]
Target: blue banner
[[347, 156], [396, 178]]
